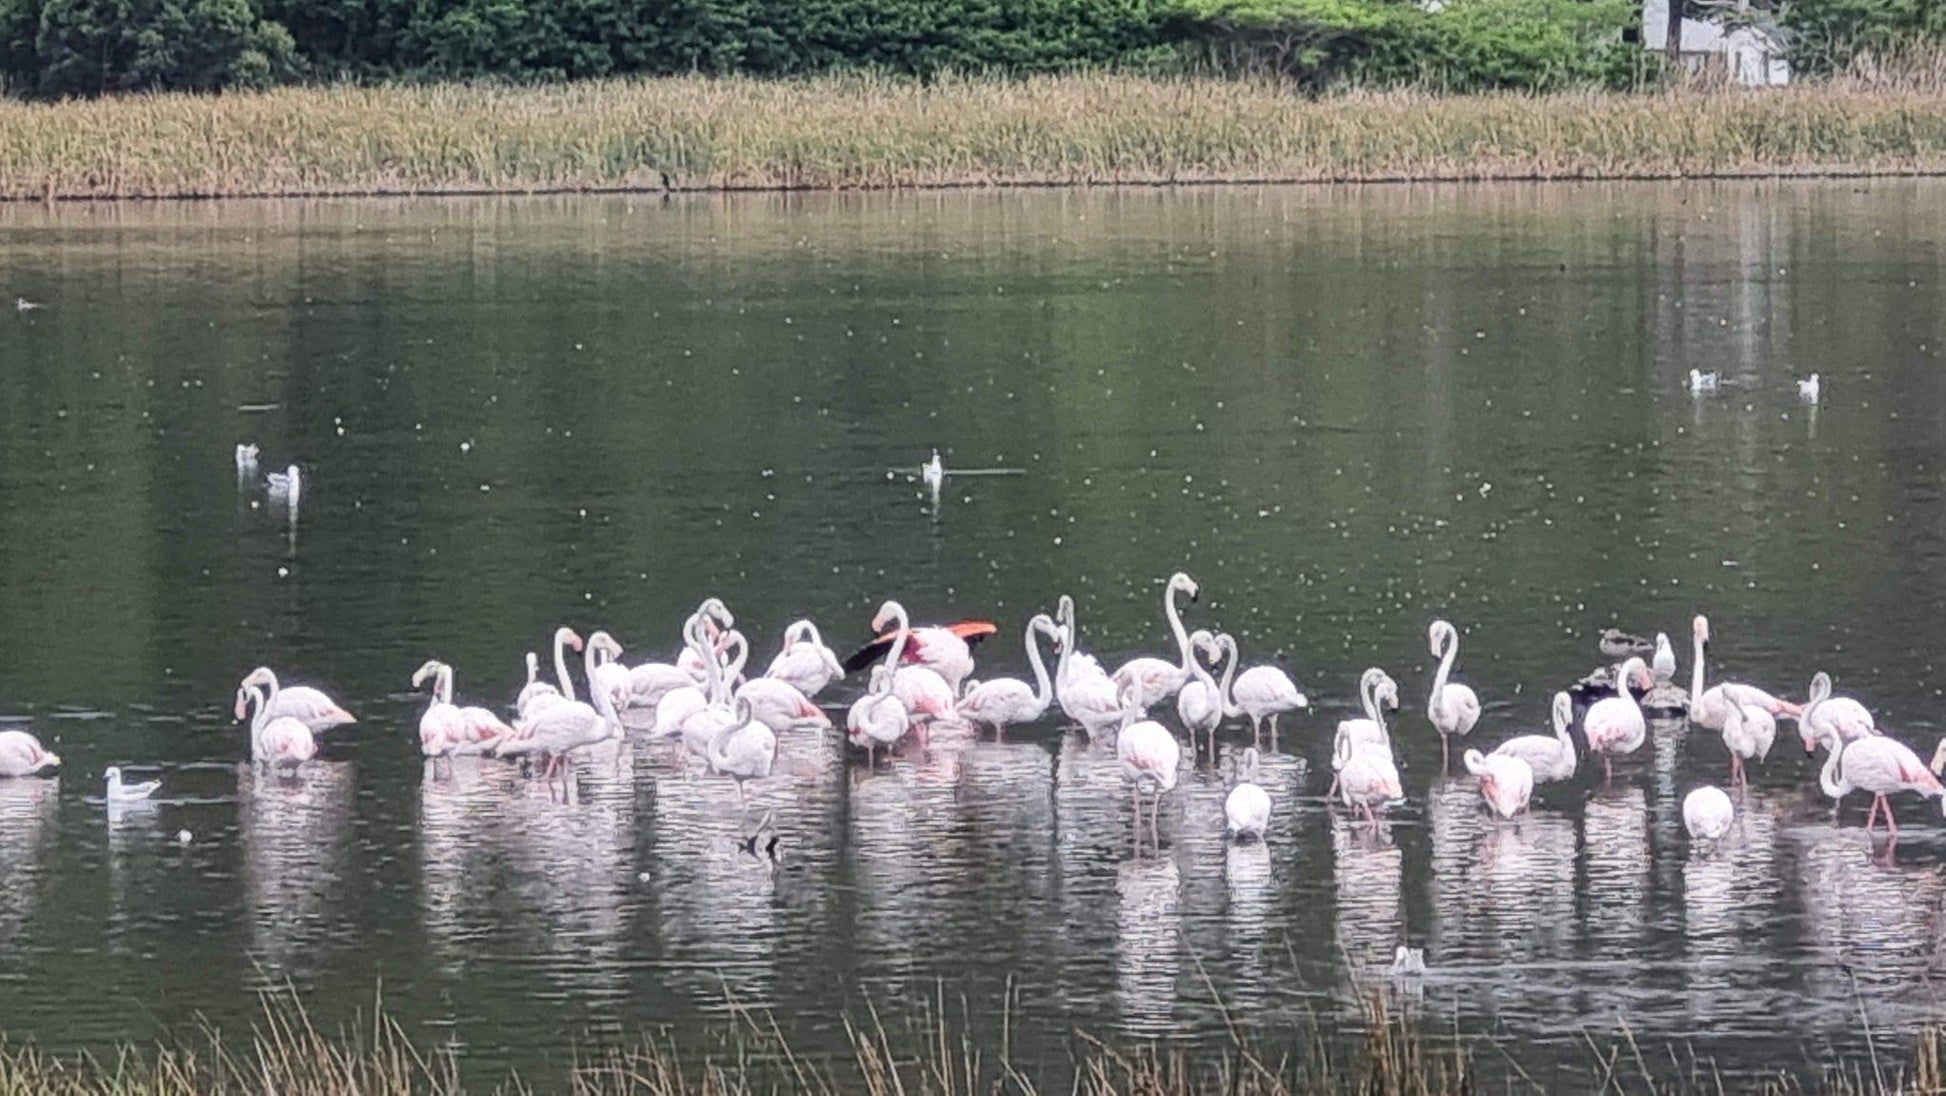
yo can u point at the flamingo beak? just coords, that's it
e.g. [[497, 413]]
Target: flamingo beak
[[1303, 701], [53, 759], [239, 706]]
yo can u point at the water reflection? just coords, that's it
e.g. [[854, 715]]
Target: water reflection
[[26, 808], [1370, 919], [292, 827], [1148, 956]]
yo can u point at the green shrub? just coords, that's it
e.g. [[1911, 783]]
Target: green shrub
[[88, 47]]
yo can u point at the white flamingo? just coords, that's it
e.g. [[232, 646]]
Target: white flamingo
[[535, 687], [557, 730], [1376, 691], [1149, 757], [1550, 758], [778, 705], [1200, 703], [876, 719], [1707, 814], [1708, 706], [1506, 782], [745, 750], [1825, 714], [539, 693], [21, 754], [277, 740], [1262, 693], [805, 662], [1748, 733], [1247, 809], [1453, 708], [678, 704], [1879, 765], [702, 727], [301, 702], [1077, 667], [1156, 679], [1091, 701], [446, 728], [1614, 724], [1367, 777], [941, 650], [1004, 701]]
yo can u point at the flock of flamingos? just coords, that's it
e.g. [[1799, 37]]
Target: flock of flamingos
[[920, 676]]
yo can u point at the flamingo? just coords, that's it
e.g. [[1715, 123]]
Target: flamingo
[[704, 725], [1452, 707], [1200, 703], [1506, 782], [1092, 702], [779, 706], [1261, 692], [1549, 757], [744, 750], [1707, 814], [287, 485], [311, 707], [716, 622], [1078, 667], [116, 791], [280, 740], [1149, 756], [1007, 700], [1367, 777], [1247, 809], [1825, 714], [21, 754], [1156, 679], [805, 662], [557, 730], [535, 688], [877, 718], [1614, 725], [539, 693], [1708, 706], [1880, 765], [1748, 733], [1375, 690], [447, 728], [678, 704], [246, 460], [926, 696], [946, 651]]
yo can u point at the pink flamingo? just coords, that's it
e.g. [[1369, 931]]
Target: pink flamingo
[[946, 651], [1091, 701], [1261, 692], [1708, 814], [1614, 725], [1880, 765], [1376, 691], [1708, 707], [1200, 703], [1367, 777], [1506, 782], [283, 740], [1247, 808], [1825, 715], [1157, 679], [1748, 732], [805, 663], [778, 705], [21, 754], [1150, 758], [678, 704], [746, 749], [1549, 757], [1453, 708], [649, 682], [1079, 667], [1007, 700], [316, 710], [538, 693], [923, 687], [447, 728]]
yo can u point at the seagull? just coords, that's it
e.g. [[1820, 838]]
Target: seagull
[[288, 484], [246, 459], [1807, 389], [933, 472], [119, 792], [24, 305], [1700, 381]]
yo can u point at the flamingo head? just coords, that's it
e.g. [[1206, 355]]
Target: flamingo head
[[1387, 691], [886, 614], [1181, 581], [242, 703], [1637, 671], [566, 637], [430, 669], [1939, 758], [713, 609], [1203, 642], [1700, 628], [1436, 637]]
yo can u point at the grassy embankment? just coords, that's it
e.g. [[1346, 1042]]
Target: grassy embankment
[[695, 133], [286, 1055]]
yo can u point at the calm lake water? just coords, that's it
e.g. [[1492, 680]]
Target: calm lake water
[[1344, 411]]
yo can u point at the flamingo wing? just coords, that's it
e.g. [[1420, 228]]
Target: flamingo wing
[[972, 631]]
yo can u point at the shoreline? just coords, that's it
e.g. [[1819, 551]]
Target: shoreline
[[690, 135]]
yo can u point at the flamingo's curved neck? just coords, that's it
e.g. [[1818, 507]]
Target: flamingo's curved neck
[[897, 651], [1563, 716], [734, 669], [1043, 688], [1831, 778], [1696, 672], [1368, 699], [1449, 650], [561, 666], [1175, 626], [1820, 692], [1231, 709], [443, 684]]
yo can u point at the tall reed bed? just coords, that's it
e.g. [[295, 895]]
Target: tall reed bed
[[863, 132], [286, 1055]]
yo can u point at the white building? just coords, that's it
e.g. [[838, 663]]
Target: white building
[[1752, 56]]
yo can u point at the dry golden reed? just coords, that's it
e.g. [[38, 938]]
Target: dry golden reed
[[862, 132]]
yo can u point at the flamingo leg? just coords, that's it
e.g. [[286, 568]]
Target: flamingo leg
[[1891, 824], [1332, 792], [1135, 796], [1871, 817], [1155, 812], [1257, 732], [1445, 754], [1607, 769], [1273, 732]]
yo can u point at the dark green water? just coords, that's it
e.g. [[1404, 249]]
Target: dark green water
[[1345, 412]]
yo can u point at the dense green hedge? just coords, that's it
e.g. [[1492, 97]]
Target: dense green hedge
[[68, 47]]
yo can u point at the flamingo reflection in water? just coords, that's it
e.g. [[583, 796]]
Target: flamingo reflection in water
[[26, 807], [1370, 871], [292, 828], [571, 875], [1871, 926], [1730, 894], [1148, 943], [1615, 826]]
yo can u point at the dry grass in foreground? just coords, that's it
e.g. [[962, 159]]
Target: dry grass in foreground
[[697, 133], [285, 1055]]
